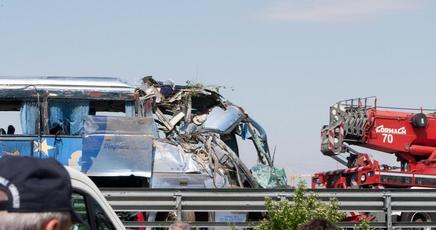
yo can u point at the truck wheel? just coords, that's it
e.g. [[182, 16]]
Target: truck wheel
[[418, 217]]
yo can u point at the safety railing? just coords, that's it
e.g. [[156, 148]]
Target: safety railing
[[381, 202], [365, 102]]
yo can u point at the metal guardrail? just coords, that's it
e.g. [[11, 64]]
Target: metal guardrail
[[252, 200], [251, 225]]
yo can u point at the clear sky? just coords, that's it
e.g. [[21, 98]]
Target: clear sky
[[287, 61]]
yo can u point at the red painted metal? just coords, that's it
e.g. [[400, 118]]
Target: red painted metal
[[388, 131]]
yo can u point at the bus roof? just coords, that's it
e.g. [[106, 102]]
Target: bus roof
[[67, 87]]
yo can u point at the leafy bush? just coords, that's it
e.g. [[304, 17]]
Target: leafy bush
[[286, 215], [364, 225]]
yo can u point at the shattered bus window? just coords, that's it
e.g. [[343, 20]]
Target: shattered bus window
[[103, 126], [156, 135]]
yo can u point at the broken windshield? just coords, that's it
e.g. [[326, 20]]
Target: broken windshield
[[159, 130], [197, 134]]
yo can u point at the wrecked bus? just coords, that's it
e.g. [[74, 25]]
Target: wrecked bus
[[155, 135], [167, 135], [60, 117]]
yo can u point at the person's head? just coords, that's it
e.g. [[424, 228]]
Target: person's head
[[180, 226], [35, 221], [11, 130], [35, 194], [319, 224]]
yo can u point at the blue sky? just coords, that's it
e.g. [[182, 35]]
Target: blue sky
[[287, 61]]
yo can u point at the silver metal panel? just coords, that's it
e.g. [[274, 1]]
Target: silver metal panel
[[123, 156], [168, 158], [120, 125], [178, 180], [223, 121], [118, 146], [66, 87], [63, 81], [172, 158]]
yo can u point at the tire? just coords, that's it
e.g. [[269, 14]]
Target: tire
[[417, 217]]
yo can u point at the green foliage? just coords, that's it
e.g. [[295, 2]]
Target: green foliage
[[216, 88], [292, 216], [193, 85], [364, 225]]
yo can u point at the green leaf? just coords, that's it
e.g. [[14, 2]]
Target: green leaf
[[305, 207]]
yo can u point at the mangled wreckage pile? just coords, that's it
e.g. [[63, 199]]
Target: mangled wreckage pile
[[196, 144], [157, 135]]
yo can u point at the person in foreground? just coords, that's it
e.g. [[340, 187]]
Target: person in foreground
[[35, 194], [180, 226]]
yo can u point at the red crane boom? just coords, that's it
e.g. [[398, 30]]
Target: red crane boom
[[409, 134]]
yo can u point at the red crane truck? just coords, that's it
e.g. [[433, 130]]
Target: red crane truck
[[409, 134]]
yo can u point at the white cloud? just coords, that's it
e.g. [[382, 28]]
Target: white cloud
[[333, 11]]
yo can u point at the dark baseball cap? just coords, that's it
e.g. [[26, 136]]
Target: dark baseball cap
[[30, 184]]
